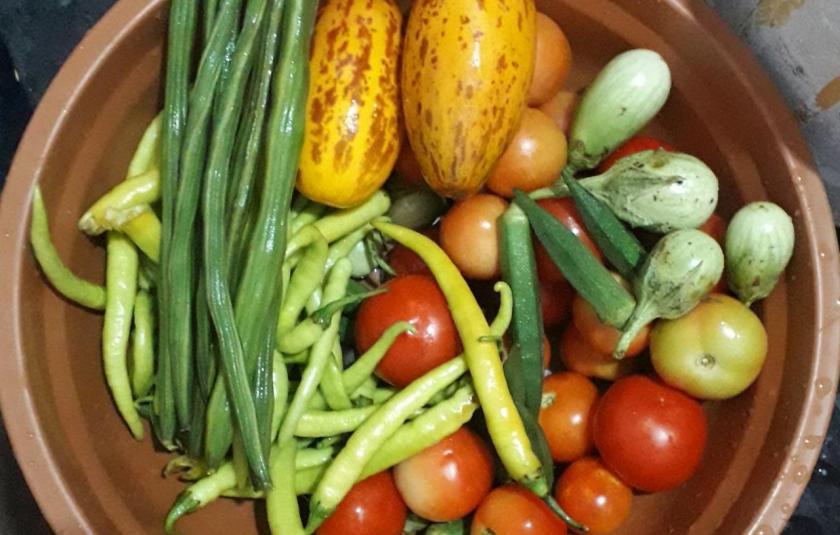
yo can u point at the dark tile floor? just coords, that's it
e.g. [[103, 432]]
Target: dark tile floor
[[39, 36]]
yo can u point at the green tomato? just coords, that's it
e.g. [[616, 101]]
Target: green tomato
[[715, 351]]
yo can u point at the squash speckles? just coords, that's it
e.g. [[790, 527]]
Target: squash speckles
[[465, 72], [352, 129]]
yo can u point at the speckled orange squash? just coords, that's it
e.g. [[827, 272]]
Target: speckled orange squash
[[352, 124], [467, 66]]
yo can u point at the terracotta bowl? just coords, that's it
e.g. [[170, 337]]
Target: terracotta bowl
[[89, 476]]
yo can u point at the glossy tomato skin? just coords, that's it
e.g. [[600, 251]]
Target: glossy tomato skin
[[568, 405], [469, 235], [513, 510], [594, 496], [448, 480], [561, 108], [418, 300], [716, 351], [632, 146], [552, 62], [404, 261], [373, 505], [534, 157], [651, 435], [579, 356], [563, 209], [555, 302], [601, 336]]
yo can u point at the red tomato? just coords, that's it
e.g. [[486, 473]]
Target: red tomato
[[578, 355], [469, 236], [534, 157], [373, 505], [632, 146], [404, 261], [552, 61], [603, 337], [715, 227], [593, 496], [448, 480], [546, 352], [563, 210], [555, 299], [513, 510], [568, 404], [417, 300], [561, 108], [651, 435]]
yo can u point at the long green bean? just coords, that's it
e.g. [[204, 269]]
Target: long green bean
[[121, 288], [180, 272], [248, 153], [206, 351], [62, 279], [255, 298], [142, 346], [235, 371], [182, 23]]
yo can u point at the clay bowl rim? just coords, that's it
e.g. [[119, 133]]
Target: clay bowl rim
[[40, 467]]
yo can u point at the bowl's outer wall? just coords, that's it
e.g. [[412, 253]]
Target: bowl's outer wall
[[88, 475]]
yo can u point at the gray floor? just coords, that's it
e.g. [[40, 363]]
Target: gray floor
[[798, 42]]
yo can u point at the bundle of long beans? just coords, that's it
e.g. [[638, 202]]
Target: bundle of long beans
[[210, 252]]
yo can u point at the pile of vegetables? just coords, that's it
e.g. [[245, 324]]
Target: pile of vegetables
[[329, 350]]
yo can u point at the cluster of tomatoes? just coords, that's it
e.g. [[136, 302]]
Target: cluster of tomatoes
[[611, 428]]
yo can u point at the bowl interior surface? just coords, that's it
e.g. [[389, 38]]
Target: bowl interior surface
[[89, 475]]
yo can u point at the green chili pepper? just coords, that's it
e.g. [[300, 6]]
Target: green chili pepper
[[281, 500], [143, 357], [121, 290], [482, 355], [135, 191], [426, 430], [147, 154], [315, 424], [62, 279], [369, 437], [335, 287], [307, 276]]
